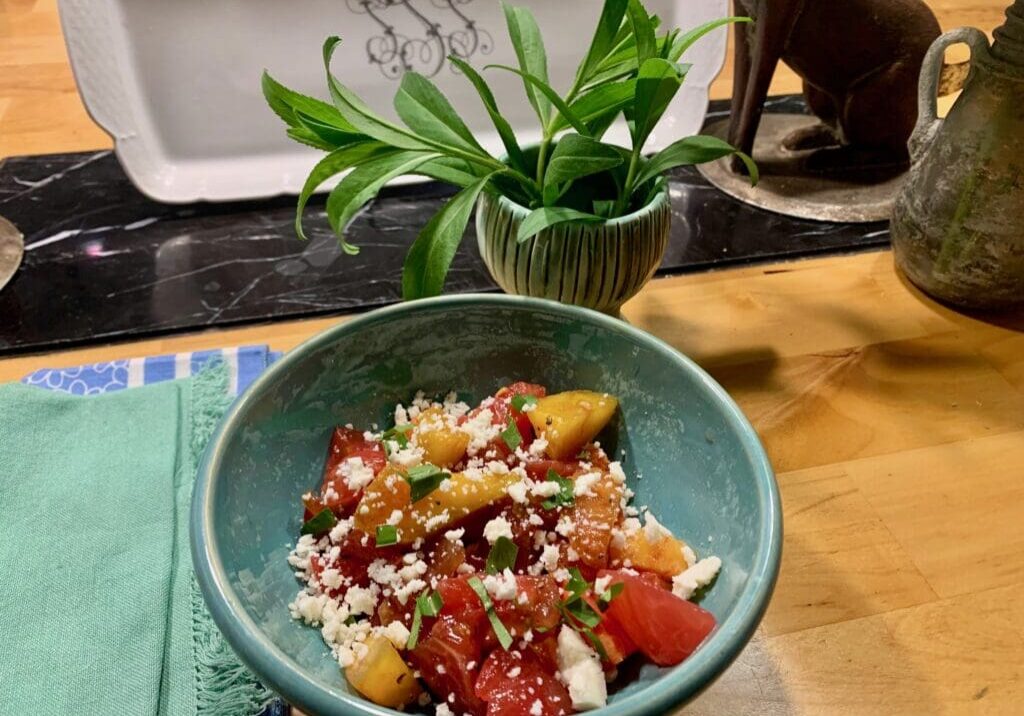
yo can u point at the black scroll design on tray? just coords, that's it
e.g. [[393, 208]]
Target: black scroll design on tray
[[448, 32]]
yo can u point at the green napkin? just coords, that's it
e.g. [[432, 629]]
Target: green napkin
[[99, 611]]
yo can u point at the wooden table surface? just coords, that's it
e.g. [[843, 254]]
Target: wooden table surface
[[896, 427]]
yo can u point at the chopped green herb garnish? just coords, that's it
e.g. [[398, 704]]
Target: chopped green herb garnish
[[521, 401], [564, 496], [424, 479], [610, 593], [504, 638], [577, 585], [502, 555], [387, 535], [426, 606], [578, 612], [398, 434], [511, 435], [322, 522]]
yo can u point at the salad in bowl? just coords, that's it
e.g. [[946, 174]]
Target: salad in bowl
[[489, 559]]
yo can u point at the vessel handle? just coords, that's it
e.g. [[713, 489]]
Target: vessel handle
[[928, 120]]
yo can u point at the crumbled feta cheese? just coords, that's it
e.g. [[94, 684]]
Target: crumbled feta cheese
[[580, 669], [397, 634], [401, 415], [341, 530], [330, 578], [443, 710], [535, 519], [455, 535], [304, 548], [480, 430], [565, 526], [502, 587], [395, 517], [514, 672], [356, 473], [689, 555], [654, 531], [585, 483], [699, 575], [518, 492], [615, 470], [362, 600], [549, 558], [307, 607], [536, 708], [538, 446], [601, 584], [547, 488], [407, 457], [498, 527]]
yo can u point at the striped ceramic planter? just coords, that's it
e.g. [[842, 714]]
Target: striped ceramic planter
[[599, 266]]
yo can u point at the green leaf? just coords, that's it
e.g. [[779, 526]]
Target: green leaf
[[502, 556], [577, 585], [451, 171], [360, 116], [604, 207], [511, 435], [305, 136], [611, 593], [604, 40], [427, 262], [577, 156], [320, 523], [424, 479], [656, 86], [364, 181], [643, 31], [540, 219], [564, 497], [683, 42], [330, 134], [521, 400], [546, 90], [426, 606], [687, 151], [533, 60], [331, 165], [398, 434], [508, 136], [287, 104], [427, 112], [598, 103], [504, 638], [387, 535]]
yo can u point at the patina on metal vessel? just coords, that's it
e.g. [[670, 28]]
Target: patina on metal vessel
[[958, 223]]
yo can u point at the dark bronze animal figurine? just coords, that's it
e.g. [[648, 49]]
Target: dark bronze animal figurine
[[859, 61]]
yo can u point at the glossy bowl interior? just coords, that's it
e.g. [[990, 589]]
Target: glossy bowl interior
[[700, 467]]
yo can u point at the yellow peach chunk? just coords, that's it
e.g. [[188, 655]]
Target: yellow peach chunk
[[570, 420], [382, 676], [460, 496], [443, 445], [664, 555]]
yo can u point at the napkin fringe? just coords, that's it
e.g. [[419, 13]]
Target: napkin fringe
[[223, 685]]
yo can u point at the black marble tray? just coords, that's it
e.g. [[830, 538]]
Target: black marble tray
[[102, 262]]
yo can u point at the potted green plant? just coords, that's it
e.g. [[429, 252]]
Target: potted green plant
[[572, 218]]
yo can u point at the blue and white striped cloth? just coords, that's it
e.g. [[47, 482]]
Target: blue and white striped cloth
[[244, 364]]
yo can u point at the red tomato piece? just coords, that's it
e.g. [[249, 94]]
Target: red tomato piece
[[535, 606], [616, 642], [352, 569], [502, 410], [667, 629], [347, 443], [512, 686], [443, 659], [458, 597]]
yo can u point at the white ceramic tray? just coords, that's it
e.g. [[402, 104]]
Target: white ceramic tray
[[177, 84]]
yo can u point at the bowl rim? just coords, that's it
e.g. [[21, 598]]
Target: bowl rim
[[288, 678]]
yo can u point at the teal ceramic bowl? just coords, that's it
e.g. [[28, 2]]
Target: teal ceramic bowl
[[703, 470]]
